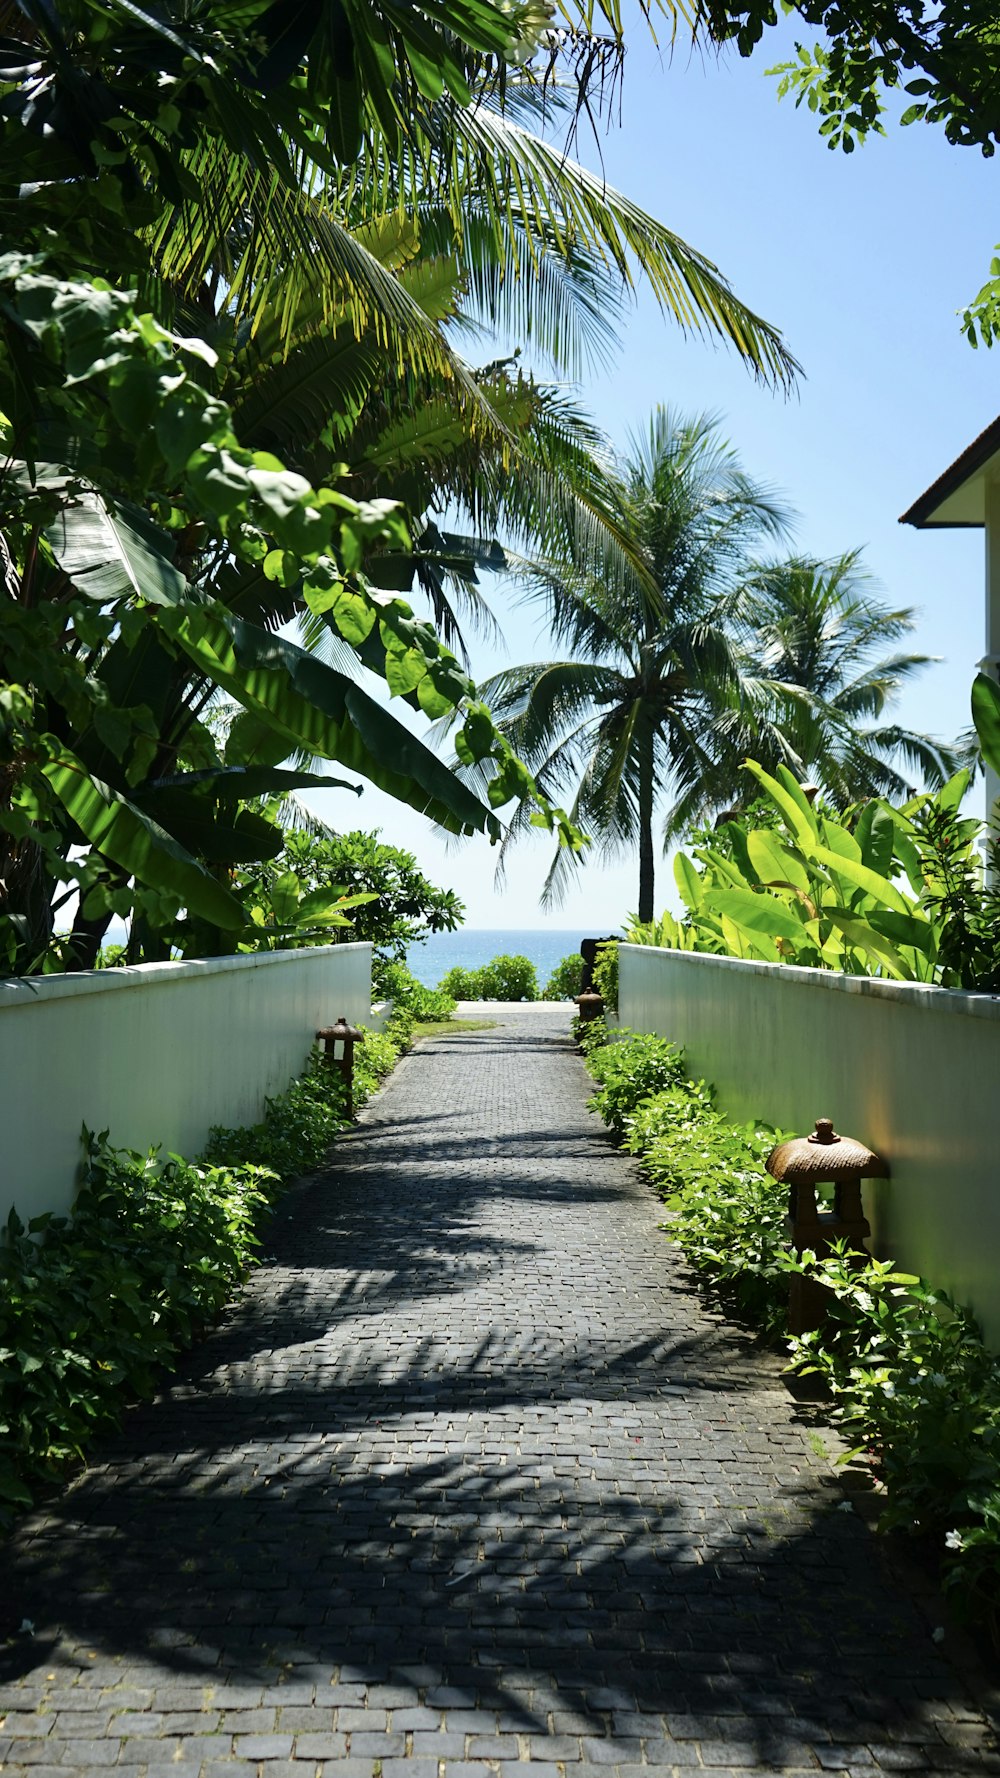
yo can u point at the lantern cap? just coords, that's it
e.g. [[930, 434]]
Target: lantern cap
[[341, 1032], [824, 1155]]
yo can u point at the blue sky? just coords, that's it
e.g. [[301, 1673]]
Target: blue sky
[[863, 262]]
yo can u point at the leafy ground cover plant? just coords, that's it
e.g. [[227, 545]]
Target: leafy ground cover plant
[[629, 1072], [912, 1382], [729, 1216], [503, 978], [296, 1129], [95, 1305], [91, 1311]]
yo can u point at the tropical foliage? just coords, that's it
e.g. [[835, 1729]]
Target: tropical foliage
[[233, 240], [812, 890], [392, 904], [816, 685], [943, 57], [642, 698]]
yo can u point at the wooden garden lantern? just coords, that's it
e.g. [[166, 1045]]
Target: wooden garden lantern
[[589, 1006], [824, 1158], [338, 1044]]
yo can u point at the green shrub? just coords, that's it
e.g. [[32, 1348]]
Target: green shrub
[[630, 1071], [912, 1381], [399, 985], [730, 1218], [565, 981], [296, 1129], [509, 978], [503, 978], [592, 1034], [378, 1055], [91, 1312], [461, 984], [606, 974]]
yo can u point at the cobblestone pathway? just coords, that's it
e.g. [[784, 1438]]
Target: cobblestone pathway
[[468, 1476]]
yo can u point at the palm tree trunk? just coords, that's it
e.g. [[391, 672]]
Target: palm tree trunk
[[646, 827]]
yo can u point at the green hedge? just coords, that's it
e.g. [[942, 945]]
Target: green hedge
[[95, 1305], [503, 978], [913, 1385]]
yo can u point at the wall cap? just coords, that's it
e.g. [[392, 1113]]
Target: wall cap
[[38, 990], [926, 994]]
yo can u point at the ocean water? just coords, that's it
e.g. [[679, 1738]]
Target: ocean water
[[468, 948]]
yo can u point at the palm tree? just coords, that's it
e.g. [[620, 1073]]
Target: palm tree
[[817, 682], [633, 709], [251, 204]]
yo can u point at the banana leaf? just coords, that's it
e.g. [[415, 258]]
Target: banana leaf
[[112, 824], [316, 707], [986, 716]]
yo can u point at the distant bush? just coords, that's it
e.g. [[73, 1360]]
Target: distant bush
[[566, 979], [510, 978], [504, 978], [461, 984], [399, 985]]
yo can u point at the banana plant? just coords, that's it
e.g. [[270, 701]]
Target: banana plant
[[121, 627], [861, 895]]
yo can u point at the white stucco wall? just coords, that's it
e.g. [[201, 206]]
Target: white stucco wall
[[912, 1071], [156, 1054]]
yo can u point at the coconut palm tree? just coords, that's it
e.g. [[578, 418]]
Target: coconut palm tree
[[818, 681], [631, 711]]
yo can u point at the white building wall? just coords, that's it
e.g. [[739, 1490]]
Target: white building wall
[[156, 1054], [913, 1071]]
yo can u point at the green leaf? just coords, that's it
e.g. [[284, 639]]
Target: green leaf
[[194, 820], [115, 827], [689, 881], [755, 913], [883, 893], [237, 783], [865, 938], [317, 708], [106, 558], [774, 861], [285, 896], [795, 809], [950, 795]]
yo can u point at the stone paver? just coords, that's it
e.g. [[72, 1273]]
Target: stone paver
[[470, 1481]]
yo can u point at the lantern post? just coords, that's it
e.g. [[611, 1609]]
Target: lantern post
[[338, 1045], [824, 1158]]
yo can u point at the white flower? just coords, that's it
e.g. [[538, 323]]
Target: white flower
[[27, 1627], [889, 1389], [938, 1634], [953, 1541], [845, 1506]]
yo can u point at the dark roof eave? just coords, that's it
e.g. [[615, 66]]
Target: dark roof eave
[[921, 513]]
